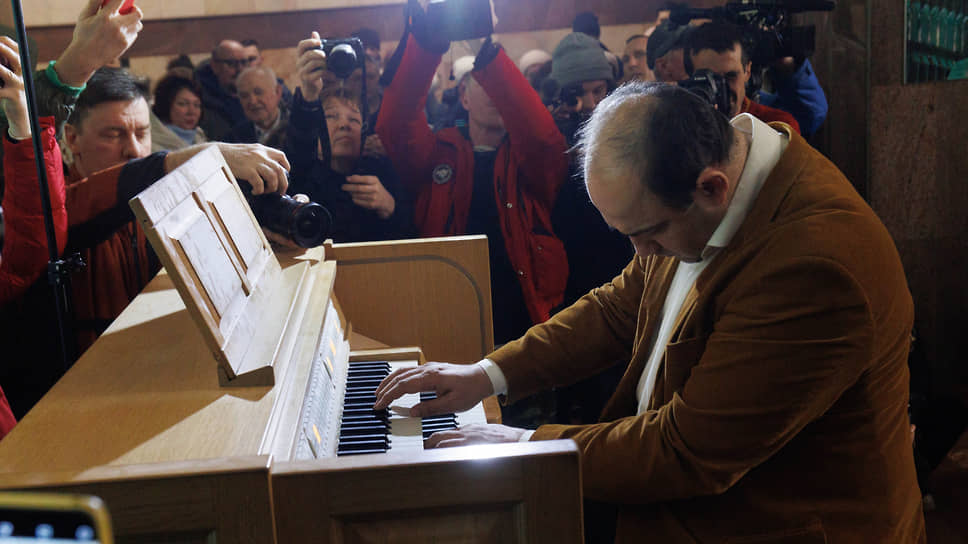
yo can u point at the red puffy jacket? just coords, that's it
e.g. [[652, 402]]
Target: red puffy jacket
[[25, 254], [529, 168]]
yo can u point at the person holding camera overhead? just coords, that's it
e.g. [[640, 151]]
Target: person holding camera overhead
[[499, 175], [324, 146]]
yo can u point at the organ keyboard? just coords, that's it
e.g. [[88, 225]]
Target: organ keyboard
[[338, 416]]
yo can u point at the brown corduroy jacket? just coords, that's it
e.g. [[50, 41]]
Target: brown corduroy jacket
[[779, 413]]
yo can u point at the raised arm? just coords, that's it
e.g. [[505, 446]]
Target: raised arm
[[402, 122], [101, 35]]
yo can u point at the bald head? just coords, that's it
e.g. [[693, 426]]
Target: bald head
[[661, 135], [259, 93], [228, 59]]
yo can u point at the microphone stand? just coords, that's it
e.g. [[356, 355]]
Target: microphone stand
[[58, 270]]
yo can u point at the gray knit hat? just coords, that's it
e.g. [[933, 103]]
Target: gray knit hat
[[577, 58]]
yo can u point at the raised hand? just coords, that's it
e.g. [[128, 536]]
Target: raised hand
[[310, 63], [101, 35], [12, 97]]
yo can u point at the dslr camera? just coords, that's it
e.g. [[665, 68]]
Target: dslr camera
[[306, 224], [712, 88], [344, 56]]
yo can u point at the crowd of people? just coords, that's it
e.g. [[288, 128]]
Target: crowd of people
[[648, 253]]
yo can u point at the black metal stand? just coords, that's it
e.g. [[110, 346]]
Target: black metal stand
[[58, 270]]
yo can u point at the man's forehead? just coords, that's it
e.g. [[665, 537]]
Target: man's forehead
[[231, 49], [712, 58], [256, 80], [119, 112], [618, 197], [637, 43]]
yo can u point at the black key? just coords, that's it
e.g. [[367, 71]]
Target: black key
[[365, 445], [341, 453], [362, 365], [442, 417], [368, 372], [362, 432], [363, 439]]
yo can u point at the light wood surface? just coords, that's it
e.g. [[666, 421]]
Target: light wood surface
[[432, 292], [508, 493]]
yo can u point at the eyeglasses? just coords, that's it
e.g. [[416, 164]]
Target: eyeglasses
[[240, 63]]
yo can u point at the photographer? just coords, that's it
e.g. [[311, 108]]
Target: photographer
[[721, 48], [362, 193], [497, 176]]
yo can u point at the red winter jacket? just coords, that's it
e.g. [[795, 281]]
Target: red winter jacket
[[529, 168], [768, 114], [103, 230], [25, 254]]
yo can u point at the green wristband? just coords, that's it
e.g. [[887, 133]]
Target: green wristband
[[67, 89]]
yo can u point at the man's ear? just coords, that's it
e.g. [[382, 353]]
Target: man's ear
[[70, 137], [712, 189]]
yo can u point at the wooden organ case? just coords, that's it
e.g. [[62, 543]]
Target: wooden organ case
[[205, 413]]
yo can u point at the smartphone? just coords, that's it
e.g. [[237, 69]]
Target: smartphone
[[126, 7], [53, 518]]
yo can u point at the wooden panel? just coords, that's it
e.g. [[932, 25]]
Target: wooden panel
[[486, 524], [523, 492], [395, 291], [918, 165], [174, 502]]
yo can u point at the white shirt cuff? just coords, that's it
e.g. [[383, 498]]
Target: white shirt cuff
[[498, 381], [526, 437]]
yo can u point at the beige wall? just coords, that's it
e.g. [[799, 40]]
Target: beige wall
[[283, 61], [62, 12]]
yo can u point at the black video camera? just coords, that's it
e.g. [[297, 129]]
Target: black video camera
[[458, 20], [306, 224], [771, 34], [712, 88], [344, 56]]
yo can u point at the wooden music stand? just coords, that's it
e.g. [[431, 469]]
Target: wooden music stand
[[224, 269]]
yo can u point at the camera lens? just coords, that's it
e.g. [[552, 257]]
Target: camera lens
[[342, 60], [310, 225]]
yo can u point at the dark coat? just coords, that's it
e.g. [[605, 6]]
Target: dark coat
[[313, 177]]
